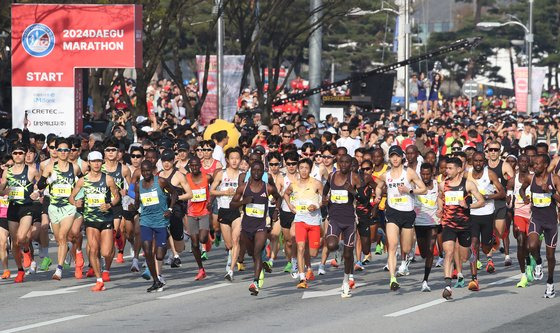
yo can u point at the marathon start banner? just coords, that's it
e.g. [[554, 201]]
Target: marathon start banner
[[49, 42]]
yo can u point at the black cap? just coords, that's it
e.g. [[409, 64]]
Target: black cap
[[182, 146], [166, 143], [396, 150], [260, 149], [167, 155]]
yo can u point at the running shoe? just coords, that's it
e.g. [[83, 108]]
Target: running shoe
[[46, 263], [167, 261], [507, 261], [105, 276], [66, 265], [288, 267], [425, 287], [254, 289], [345, 291], [454, 274], [309, 276], [523, 282], [57, 274], [334, 263], [119, 240], [321, 269], [204, 256], [478, 265], [79, 259], [134, 267], [229, 276], [358, 266], [32, 268], [240, 266], [439, 262], [99, 286], [352, 283], [379, 249], [529, 273], [460, 283], [20, 277], [403, 269], [175, 262], [78, 273], [490, 266], [120, 258], [161, 279], [261, 279], [549, 293], [217, 240], [302, 284], [394, 285], [27, 259], [295, 275], [90, 272], [538, 272], [6, 274], [146, 274], [367, 259], [201, 274], [156, 287], [267, 267], [447, 293], [541, 237], [473, 285], [386, 268], [228, 261]]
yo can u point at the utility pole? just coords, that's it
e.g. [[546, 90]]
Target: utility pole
[[315, 49], [403, 51], [529, 39], [220, 59]]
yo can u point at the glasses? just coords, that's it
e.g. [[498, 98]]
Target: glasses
[[344, 130], [287, 136], [273, 164], [199, 149], [307, 154], [63, 150], [272, 146], [75, 149], [207, 149], [327, 156], [135, 156], [366, 169], [291, 163], [52, 147], [245, 146], [111, 149], [493, 150], [18, 153]]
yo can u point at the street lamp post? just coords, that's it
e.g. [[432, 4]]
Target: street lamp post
[[487, 26]]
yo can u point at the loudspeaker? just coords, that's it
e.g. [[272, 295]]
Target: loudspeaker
[[378, 87]]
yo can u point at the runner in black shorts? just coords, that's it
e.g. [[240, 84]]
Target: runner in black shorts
[[365, 212]]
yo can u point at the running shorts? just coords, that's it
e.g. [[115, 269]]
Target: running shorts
[[310, 233], [16, 212], [521, 223], [550, 231], [117, 211], [197, 223], [286, 219], [176, 229], [500, 210], [129, 214], [57, 214], [37, 211], [461, 235], [148, 234], [364, 223], [348, 232], [404, 220], [482, 227], [4, 223], [107, 225], [45, 205], [228, 215]]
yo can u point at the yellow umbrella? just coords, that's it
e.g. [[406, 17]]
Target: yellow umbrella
[[220, 125]]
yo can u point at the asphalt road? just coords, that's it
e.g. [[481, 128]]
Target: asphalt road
[[215, 305]]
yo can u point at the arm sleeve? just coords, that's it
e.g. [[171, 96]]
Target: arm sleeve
[[42, 184]]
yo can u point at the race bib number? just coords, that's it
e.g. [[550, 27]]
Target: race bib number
[[199, 195], [398, 200], [95, 199], [255, 210], [427, 201], [61, 190], [542, 199], [339, 196], [453, 198], [16, 193], [4, 202], [149, 198]]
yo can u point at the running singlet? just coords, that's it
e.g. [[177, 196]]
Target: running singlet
[[543, 205], [178, 189], [375, 175], [4, 202], [521, 209], [19, 186], [284, 206], [154, 203], [498, 171], [485, 187], [227, 183], [210, 170], [197, 204], [117, 176], [61, 185], [454, 215], [341, 202], [425, 206], [96, 194], [254, 217], [302, 197], [403, 202]]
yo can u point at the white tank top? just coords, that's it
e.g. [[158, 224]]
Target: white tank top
[[396, 200], [425, 207], [485, 187], [521, 209], [226, 184], [287, 183]]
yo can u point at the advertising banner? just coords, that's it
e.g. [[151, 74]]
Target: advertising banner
[[522, 87], [209, 109], [50, 41], [233, 74]]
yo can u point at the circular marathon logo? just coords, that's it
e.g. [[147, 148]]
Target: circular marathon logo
[[38, 40]]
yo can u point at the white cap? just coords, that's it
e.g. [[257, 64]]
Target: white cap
[[95, 156], [411, 129], [141, 119]]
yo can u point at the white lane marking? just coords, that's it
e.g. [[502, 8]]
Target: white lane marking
[[415, 308], [506, 280], [40, 272], [41, 324], [331, 292], [56, 291], [190, 292]]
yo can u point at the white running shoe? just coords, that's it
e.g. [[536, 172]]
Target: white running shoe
[[161, 279], [168, 261], [32, 268], [229, 276], [57, 274], [507, 261], [439, 262], [403, 269], [228, 263], [134, 267], [538, 272], [295, 275], [425, 286], [549, 293], [386, 268], [322, 269], [345, 290]]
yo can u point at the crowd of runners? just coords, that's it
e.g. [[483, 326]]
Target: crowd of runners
[[451, 189]]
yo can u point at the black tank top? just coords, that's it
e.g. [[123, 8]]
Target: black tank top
[[117, 175], [341, 202], [178, 189], [543, 205], [498, 171], [19, 186], [255, 212]]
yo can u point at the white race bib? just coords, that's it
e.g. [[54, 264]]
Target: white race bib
[[255, 210], [17, 193], [149, 198], [339, 196], [95, 199], [199, 195], [542, 199], [453, 198]]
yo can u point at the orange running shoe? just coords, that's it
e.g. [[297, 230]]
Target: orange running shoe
[[309, 276], [99, 286], [20, 277], [78, 273], [105, 276], [454, 274], [490, 266], [27, 259], [302, 284], [120, 258], [90, 272], [334, 263], [352, 284], [6, 274], [79, 259], [473, 285], [201, 275]]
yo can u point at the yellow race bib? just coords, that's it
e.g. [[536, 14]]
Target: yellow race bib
[[542, 199], [17, 193], [427, 201], [199, 195], [339, 196], [255, 210], [61, 190], [453, 198], [95, 199], [149, 198]]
